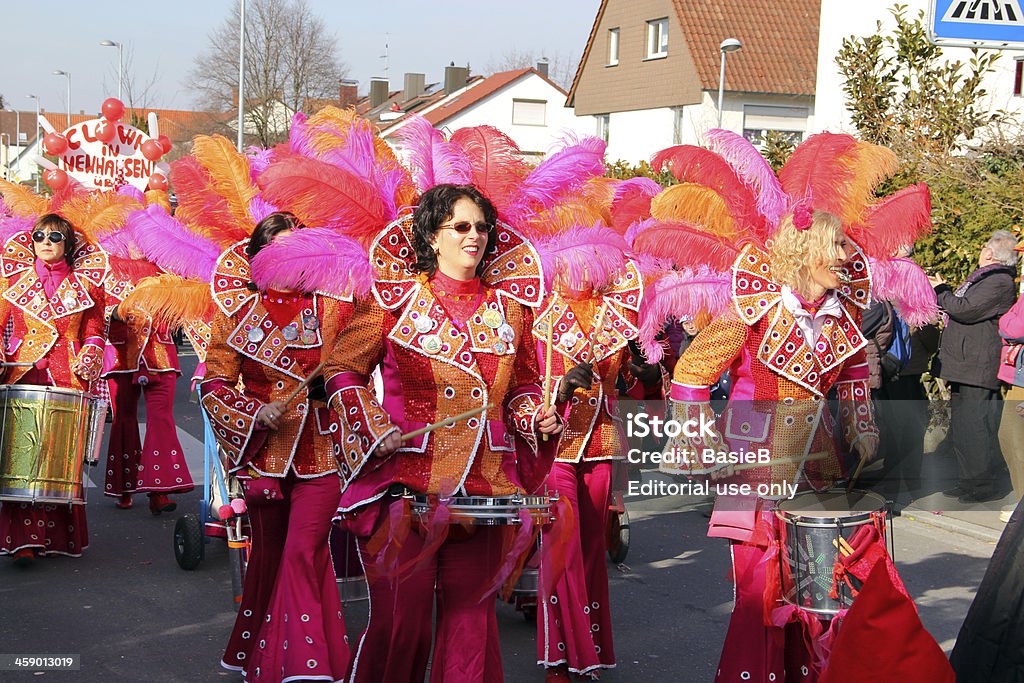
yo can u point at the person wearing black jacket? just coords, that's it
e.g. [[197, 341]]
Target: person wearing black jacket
[[969, 360]]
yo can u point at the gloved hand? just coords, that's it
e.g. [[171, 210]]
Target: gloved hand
[[579, 377], [89, 363], [317, 391], [646, 373]]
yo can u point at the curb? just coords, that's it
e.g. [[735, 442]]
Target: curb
[[947, 523]]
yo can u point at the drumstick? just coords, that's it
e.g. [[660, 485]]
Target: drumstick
[[547, 370], [783, 461], [589, 352], [305, 383], [17, 365], [856, 473], [447, 421]]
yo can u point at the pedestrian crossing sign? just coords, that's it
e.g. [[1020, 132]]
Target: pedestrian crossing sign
[[977, 23]]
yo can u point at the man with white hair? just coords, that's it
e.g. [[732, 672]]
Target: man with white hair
[[969, 361]]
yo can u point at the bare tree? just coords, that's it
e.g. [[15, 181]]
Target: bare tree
[[137, 94], [561, 68], [290, 58]]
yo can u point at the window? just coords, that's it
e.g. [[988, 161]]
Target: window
[[1018, 73], [613, 46], [677, 126], [603, 120], [657, 38], [758, 120], [529, 112]]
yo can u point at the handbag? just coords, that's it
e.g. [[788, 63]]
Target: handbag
[[1012, 356]]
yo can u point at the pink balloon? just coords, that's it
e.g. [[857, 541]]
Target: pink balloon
[[113, 109], [225, 512], [56, 178], [105, 131], [238, 505], [158, 181], [152, 150], [55, 144], [165, 143]]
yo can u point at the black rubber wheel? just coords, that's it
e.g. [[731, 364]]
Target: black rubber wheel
[[188, 541], [618, 545]]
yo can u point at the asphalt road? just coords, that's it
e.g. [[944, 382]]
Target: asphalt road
[[132, 614]]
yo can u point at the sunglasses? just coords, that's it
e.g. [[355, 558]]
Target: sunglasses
[[54, 237], [462, 227]]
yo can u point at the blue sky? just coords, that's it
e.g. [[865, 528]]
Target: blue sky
[[165, 37]]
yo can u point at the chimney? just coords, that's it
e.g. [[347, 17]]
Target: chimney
[[415, 85], [379, 91], [455, 77], [542, 66], [348, 93]]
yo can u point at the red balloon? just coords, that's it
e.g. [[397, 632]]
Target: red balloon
[[55, 144], [56, 178], [152, 150], [113, 109], [165, 143], [158, 181], [225, 513], [105, 131]]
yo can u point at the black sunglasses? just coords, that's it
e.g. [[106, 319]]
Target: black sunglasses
[[54, 237], [462, 227]]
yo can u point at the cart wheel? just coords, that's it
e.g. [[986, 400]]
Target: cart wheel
[[618, 537], [188, 541]]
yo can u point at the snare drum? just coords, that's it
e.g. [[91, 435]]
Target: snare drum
[[46, 436], [348, 569], [487, 511], [812, 525]]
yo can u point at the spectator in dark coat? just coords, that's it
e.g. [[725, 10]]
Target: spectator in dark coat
[[969, 360]]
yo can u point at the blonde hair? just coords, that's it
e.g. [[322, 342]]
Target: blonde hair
[[794, 252]]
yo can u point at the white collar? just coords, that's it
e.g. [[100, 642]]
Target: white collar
[[809, 324]]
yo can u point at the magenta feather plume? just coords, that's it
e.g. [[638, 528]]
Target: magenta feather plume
[[433, 160], [632, 202], [895, 222], [754, 170], [684, 245], [9, 225], [300, 140], [582, 259], [122, 245], [686, 292], [259, 159], [652, 267], [260, 208], [314, 259], [132, 192], [905, 285], [169, 244], [557, 177]]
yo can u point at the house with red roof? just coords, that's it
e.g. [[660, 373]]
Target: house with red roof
[[650, 71]]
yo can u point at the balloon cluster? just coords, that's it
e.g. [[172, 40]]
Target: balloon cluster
[[55, 144]]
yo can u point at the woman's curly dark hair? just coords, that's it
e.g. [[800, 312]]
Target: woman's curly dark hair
[[437, 206], [52, 222], [267, 228]]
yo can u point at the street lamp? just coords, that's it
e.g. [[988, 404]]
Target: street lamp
[[17, 137], [728, 45], [36, 98], [120, 62], [241, 70], [67, 74]]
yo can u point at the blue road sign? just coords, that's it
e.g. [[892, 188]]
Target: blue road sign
[[983, 23]]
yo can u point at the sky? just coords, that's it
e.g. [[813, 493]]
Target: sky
[[165, 38]]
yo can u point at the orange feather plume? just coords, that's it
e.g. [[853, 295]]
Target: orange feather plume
[[98, 214], [169, 300], [21, 200], [591, 205], [822, 167], [229, 174], [871, 165], [695, 205], [160, 198]]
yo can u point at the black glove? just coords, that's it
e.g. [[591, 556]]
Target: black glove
[[317, 390], [646, 373], [579, 377]]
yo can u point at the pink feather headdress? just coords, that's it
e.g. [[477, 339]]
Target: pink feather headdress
[[314, 259]]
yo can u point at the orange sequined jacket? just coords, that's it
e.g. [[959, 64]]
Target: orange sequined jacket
[[593, 429], [779, 380], [66, 329], [247, 346], [432, 370], [134, 339]]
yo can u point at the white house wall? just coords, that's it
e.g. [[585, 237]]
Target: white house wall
[[841, 18], [496, 110], [634, 136]]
